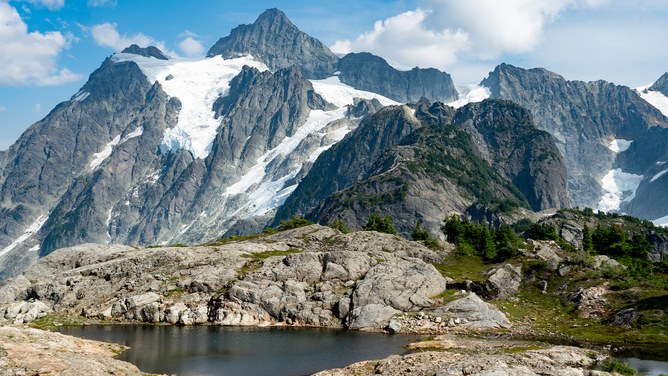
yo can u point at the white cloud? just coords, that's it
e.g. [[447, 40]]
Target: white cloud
[[2, 108], [106, 35], [37, 109], [102, 3], [443, 31], [187, 33], [191, 47], [30, 58], [51, 4], [26, 9]]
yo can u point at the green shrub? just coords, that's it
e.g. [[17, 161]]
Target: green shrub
[[294, 222], [619, 367]]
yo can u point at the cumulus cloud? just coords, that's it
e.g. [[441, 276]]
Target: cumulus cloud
[[51, 4], [106, 35], [191, 47], [442, 31], [102, 3], [30, 58]]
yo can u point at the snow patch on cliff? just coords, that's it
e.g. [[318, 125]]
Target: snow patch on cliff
[[104, 154], [619, 145], [340, 94], [655, 98], [618, 184], [470, 94], [32, 229]]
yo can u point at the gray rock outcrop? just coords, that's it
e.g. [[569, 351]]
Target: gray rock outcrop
[[38, 352], [307, 280], [554, 360], [479, 315]]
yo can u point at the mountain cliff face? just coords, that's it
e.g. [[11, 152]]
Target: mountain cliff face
[[585, 119], [435, 172], [487, 153], [275, 41], [365, 71], [53, 153]]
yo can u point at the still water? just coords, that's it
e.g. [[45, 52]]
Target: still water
[[216, 350]]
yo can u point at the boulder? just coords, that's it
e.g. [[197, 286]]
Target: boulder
[[400, 284], [478, 314], [502, 283]]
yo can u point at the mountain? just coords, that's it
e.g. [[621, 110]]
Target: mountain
[[350, 160], [162, 151], [365, 71], [593, 124], [661, 85], [276, 42], [487, 153]]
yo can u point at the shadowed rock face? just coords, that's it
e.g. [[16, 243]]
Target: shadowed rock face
[[583, 118], [275, 41], [493, 155], [365, 71], [53, 153]]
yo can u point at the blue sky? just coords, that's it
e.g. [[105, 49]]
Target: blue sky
[[49, 47]]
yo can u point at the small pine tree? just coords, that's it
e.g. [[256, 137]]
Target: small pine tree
[[587, 243], [339, 225], [383, 225], [421, 233]]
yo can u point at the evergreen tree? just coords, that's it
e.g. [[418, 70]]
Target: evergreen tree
[[339, 225], [420, 233], [507, 243], [383, 225], [587, 243]]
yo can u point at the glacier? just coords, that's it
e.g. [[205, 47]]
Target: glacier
[[197, 83]]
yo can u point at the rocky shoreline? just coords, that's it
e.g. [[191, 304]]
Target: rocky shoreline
[[310, 276]]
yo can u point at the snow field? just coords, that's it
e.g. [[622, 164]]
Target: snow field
[[655, 98], [197, 83]]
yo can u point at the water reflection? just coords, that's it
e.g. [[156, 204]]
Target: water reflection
[[214, 350]]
